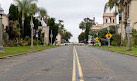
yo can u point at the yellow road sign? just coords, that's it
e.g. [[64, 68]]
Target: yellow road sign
[[108, 35], [97, 39]]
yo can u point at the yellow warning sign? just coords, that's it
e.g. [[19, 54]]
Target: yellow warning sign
[[97, 39], [108, 35]]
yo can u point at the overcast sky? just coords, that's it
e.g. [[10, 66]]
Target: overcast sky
[[72, 12]]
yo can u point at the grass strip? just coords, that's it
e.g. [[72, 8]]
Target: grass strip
[[121, 49], [22, 49]]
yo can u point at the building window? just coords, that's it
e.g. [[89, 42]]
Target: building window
[[110, 20], [106, 21], [113, 21]]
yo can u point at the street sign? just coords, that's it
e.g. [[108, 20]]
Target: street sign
[[128, 29], [128, 21], [108, 35], [36, 35], [51, 35], [108, 28], [97, 39]]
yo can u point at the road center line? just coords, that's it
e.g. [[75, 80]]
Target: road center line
[[77, 74]]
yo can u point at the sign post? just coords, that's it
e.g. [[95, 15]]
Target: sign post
[[108, 35], [51, 36], [128, 31]]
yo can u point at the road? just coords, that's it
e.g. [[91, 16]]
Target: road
[[69, 63]]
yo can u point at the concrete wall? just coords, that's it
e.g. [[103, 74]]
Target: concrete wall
[[58, 37], [133, 14], [45, 29], [5, 20]]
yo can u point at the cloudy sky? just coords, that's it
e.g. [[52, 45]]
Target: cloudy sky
[[72, 12]]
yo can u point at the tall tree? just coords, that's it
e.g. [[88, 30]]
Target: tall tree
[[33, 10], [86, 24], [81, 37], [82, 25], [23, 6], [54, 27], [13, 12], [43, 15], [13, 30]]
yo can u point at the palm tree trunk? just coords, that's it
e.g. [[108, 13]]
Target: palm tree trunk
[[116, 31], [126, 11], [23, 23], [32, 47]]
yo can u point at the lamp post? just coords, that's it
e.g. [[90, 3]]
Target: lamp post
[[1, 32], [37, 37], [32, 26]]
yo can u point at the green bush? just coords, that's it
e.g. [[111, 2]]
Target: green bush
[[27, 41], [13, 43], [27, 38], [34, 42], [116, 40], [5, 36]]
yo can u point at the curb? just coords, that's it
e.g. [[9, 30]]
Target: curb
[[116, 52], [9, 56]]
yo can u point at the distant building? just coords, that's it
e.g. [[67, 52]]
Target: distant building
[[97, 27], [109, 19], [58, 37], [5, 20]]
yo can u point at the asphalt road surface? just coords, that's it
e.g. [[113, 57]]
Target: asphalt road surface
[[69, 63]]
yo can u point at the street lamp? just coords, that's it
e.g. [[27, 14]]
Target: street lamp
[[1, 32], [32, 26]]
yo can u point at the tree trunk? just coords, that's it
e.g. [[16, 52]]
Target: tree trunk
[[23, 24], [32, 47]]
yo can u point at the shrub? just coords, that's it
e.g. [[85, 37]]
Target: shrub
[[116, 40], [27, 38], [34, 42], [5, 36], [13, 43], [27, 41]]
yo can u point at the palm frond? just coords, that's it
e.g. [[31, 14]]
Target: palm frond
[[106, 7]]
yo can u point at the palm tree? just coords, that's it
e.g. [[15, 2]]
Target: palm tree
[[43, 13], [23, 6], [32, 11], [111, 4], [122, 5]]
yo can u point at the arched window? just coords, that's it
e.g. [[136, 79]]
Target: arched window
[[106, 21], [110, 20], [113, 21]]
